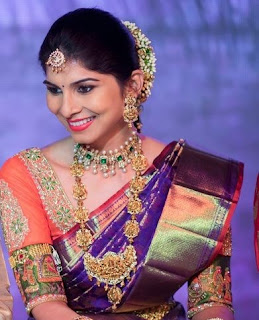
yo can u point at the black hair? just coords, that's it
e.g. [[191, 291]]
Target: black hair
[[95, 38]]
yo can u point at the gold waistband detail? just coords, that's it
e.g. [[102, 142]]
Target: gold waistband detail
[[154, 313], [38, 250]]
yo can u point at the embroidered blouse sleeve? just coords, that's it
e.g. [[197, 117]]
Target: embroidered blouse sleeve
[[212, 286], [28, 237]]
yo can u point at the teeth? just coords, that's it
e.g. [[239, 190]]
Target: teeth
[[81, 122]]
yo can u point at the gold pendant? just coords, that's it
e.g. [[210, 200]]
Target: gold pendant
[[139, 162], [113, 268], [77, 170], [84, 238], [134, 206], [81, 215], [137, 184], [131, 229], [114, 295], [79, 192]]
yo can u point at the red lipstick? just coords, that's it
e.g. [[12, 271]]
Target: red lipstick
[[80, 124]]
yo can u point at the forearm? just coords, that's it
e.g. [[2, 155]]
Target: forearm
[[53, 310], [59, 310], [223, 313]]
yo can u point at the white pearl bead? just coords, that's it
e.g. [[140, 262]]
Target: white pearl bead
[[113, 172], [126, 143], [105, 175], [121, 147], [87, 168], [129, 161], [130, 138], [104, 152], [95, 171], [124, 170], [116, 150], [110, 152]]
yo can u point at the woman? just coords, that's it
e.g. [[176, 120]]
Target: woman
[[107, 223]]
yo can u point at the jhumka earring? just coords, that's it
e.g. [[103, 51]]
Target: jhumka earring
[[56, 60], [130, 113]]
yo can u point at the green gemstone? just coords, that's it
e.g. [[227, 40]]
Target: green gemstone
[[89, 156], [131, 149], [119, 158], [103, 160]]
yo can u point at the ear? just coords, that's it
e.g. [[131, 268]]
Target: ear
[[135, 83]]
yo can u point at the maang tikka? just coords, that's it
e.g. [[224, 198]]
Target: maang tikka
[[56, 61]]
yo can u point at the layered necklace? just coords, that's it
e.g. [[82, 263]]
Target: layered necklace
[[111, 270]]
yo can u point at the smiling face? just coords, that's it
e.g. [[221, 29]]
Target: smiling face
[[89, 104]]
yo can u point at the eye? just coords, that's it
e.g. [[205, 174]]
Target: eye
[[54, 90], [85, 89]]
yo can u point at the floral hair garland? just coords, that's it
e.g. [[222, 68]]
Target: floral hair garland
[[147, 59]]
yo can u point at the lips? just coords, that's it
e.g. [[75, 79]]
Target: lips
[[80, 124]]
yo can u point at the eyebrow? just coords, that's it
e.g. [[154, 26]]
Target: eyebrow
[[73, 83]]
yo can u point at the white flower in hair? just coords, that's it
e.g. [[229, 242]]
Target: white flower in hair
[[147, 59]]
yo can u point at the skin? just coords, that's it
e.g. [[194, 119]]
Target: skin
[[70, 98]]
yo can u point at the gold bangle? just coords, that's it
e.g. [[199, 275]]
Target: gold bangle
[[81, 318], [215, 319]]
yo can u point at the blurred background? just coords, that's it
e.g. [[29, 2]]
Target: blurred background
[[206, 91]]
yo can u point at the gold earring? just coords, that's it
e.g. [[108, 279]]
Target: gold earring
[[130, 113]]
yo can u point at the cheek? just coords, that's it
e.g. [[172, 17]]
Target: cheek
[[52, 103]]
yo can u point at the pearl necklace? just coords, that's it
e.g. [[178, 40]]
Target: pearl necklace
[[104, 161], [112, 269]]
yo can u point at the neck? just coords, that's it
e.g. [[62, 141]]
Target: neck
[[113, 142]]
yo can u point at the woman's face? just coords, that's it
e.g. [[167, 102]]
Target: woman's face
[[89, 104]]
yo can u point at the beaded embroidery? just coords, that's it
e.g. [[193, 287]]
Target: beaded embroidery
[[227, 244], [51, 193], [36, 275], [210, 287], [15, 224]]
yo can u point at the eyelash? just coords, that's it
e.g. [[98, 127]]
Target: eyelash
[[82, 89], [85, 89], [53, 90]]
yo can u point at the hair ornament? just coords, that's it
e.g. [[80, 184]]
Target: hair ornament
[[147, 59], [57, 61]]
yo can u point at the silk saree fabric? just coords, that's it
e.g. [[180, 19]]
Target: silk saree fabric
[[188, 203]]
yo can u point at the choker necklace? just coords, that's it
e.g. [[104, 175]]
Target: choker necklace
[[107, 161], [112, 269]]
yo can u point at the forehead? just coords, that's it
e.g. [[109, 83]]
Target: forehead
[[72, 72]]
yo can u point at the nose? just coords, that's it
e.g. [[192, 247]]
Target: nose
[[69, 105]]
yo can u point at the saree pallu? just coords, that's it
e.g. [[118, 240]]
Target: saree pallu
[[187, 208]]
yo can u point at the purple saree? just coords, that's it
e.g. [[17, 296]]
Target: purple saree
[[187, 207]]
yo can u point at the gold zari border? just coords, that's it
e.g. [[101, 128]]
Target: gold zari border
[[154, 313], [45, 298]]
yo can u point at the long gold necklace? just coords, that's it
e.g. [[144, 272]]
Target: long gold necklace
[[112, 269]]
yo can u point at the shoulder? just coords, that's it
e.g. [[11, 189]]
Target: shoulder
[[60, 152], [207, 172], [15, 172], [152, 147]]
